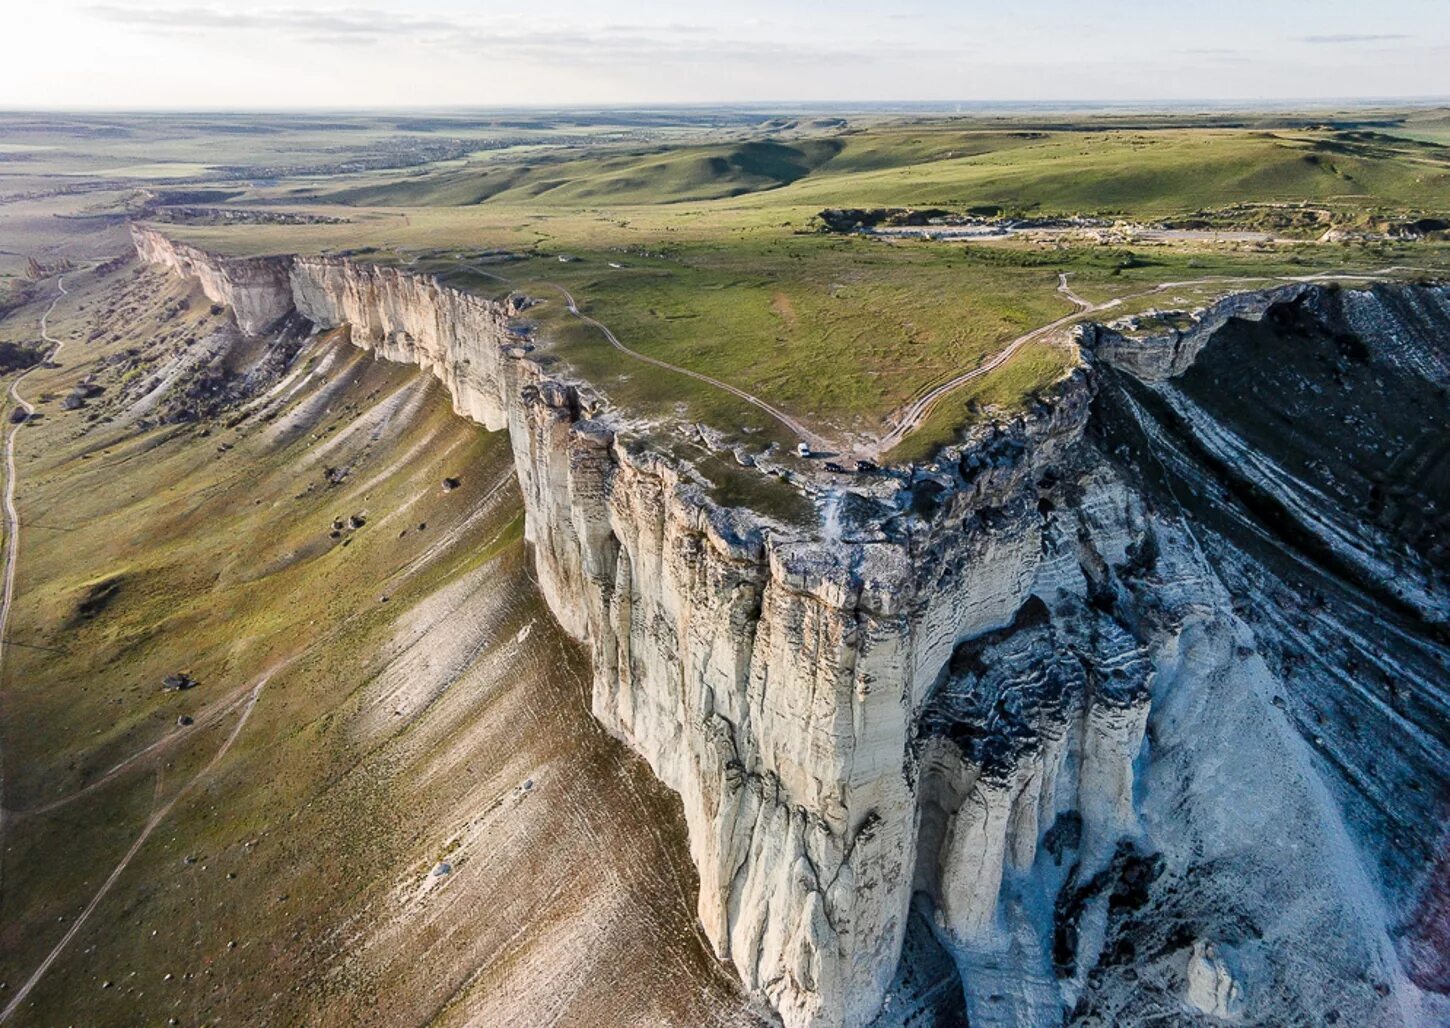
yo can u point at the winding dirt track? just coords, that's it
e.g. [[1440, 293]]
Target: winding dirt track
[[908, 418], [811, 438], [12, 519], [12, 524], [905, 421], [816, 442], [157, 816]]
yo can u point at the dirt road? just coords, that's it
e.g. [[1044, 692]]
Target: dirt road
[[813, 439], [12, 518], [906, 420], [810, 438], [158, 815]]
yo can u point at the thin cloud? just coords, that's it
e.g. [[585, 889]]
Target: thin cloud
[[1217, 55], [1349, 37], [332, 23], [672, 43], [340, 39]]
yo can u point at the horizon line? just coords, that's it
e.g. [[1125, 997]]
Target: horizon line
[[1220, 103]]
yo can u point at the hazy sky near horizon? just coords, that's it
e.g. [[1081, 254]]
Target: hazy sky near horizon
[[231, 53]]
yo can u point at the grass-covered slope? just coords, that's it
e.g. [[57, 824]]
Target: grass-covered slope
[[649, 176], [373, 701], [714, 258], [1153, 174], [1142, 173]]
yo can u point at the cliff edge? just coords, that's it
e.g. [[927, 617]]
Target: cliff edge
[[1008, 686]]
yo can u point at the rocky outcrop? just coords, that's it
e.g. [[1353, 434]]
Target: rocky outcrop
[[950, 699], [256, 289]]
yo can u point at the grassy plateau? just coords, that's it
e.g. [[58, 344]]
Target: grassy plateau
[[706, 248]]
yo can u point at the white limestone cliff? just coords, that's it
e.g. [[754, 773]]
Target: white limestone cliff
[[768, 682], [849, 723], [256, 289]]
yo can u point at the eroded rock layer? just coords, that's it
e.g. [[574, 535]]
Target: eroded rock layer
[[1096, 690]]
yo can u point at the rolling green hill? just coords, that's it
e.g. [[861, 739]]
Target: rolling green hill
[[1129, 173], [707, 251], [652, 176]]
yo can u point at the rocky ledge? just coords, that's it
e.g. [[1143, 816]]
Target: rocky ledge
[[1050, 686]]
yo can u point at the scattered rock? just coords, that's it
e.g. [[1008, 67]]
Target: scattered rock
[[184, 720], [1211, 987], [356, 521], [443, 868], [450, 484], [177, 682]]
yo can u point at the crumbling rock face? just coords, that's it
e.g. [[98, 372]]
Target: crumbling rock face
[[256, 289], [1064, 702]]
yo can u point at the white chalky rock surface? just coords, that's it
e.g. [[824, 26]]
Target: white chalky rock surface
[[1037, 703]]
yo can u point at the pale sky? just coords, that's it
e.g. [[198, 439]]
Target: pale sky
[[357, 53]]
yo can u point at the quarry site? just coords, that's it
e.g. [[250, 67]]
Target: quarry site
[[818, 567]]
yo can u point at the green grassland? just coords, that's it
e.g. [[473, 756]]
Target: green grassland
[[572, 178], [411, 680], [1431, 126], [702, 246], [1140, 173], [835, 330]]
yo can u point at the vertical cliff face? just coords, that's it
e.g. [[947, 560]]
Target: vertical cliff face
[[951, 701], [769, 685], [256, 289]]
